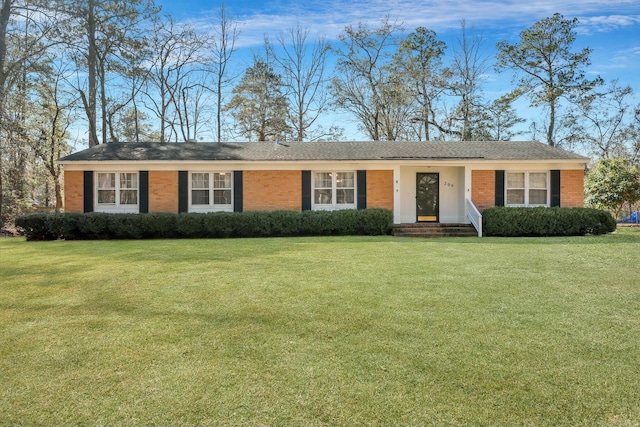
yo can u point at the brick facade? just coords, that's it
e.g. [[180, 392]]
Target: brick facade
[[572, 188], [483, 188], [163, 191], [275, 190], [272, 190], [380, 189], [74, 191]]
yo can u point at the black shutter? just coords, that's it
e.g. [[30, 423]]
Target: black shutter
[[306, 190], [362, 189], [183, 191], [88, 191], [555, 188], [237, 191], [499, 188], [144, 192]]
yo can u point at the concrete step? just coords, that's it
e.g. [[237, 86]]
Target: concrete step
[[429, 230]]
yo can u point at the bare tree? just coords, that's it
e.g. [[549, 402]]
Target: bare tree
[[50, 125], [603, 122], [224, 45], [98, 35], [194, 101], [466, 73], [26, 34], [303, 73], [361, 72], [179, 60]]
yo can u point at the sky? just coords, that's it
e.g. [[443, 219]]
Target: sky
[[610, 27]]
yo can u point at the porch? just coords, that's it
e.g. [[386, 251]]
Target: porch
[[434, 200]]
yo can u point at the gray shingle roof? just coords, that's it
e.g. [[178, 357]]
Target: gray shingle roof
[[293, 151]]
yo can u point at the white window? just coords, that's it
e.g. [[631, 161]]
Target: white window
[[211, 191], [527, 189], [116, 192], [334, 190]]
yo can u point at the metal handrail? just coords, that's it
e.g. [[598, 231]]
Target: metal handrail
[[474, 216]]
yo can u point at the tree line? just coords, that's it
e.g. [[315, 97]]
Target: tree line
[[124, 71]]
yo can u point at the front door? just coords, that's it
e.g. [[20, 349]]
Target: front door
[[427, 195]]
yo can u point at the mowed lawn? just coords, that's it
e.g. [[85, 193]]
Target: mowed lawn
[[321, 331]]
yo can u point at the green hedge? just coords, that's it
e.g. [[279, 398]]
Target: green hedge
[[76, 226], [516, 222]]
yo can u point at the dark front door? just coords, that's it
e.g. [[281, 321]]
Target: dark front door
[[427, 195]]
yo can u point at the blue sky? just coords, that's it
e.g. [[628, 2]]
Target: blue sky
[[610, 27]]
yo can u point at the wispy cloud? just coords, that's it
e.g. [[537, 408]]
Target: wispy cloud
[[599, 21], [607, 23], [329, 17]]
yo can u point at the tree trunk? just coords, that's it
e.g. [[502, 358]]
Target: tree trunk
[[5, 14], [552, 122], [91, 106], [103, 101], [58, 191]]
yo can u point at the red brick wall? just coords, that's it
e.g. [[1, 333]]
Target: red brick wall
[[483, 188], [380, 189], [572, 188], [272, 190], [163, 191], [74, 191]]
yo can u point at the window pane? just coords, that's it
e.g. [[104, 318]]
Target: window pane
[[323, 180], [515, 197], [515, 180], [537, 197], [538, 180], [107, 180], [345, 179], [322, 197], [221, 197], [129, 180], [107, 196], [345, 196], [128, 197], [199, 197], [221, 180], [200, 180]]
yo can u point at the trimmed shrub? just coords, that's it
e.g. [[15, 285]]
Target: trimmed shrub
[[35, 226], [541, 221], [190, 225], [285, 223], [219, 224], [74, 226], [159, 225]]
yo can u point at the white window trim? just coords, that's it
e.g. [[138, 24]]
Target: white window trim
[[334, 205], [211, 207], [527, 188], [115, 207]]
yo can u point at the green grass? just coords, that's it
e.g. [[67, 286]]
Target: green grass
[[321, 331]]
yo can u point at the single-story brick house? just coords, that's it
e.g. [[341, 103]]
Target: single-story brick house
[[419, 181]]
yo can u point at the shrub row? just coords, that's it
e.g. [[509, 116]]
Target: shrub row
[[516, 222], [74, 226]]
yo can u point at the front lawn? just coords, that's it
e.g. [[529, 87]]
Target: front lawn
[[321, 331]]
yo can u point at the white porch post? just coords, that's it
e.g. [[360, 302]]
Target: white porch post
[[396, 196], [467, 189]]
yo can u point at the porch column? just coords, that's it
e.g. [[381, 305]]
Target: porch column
[[467, 191], [396, 196]]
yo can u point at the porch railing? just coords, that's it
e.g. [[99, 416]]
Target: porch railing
[[474, 216]]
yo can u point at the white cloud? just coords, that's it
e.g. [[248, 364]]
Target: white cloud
[[607, 23], [329, 17]]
